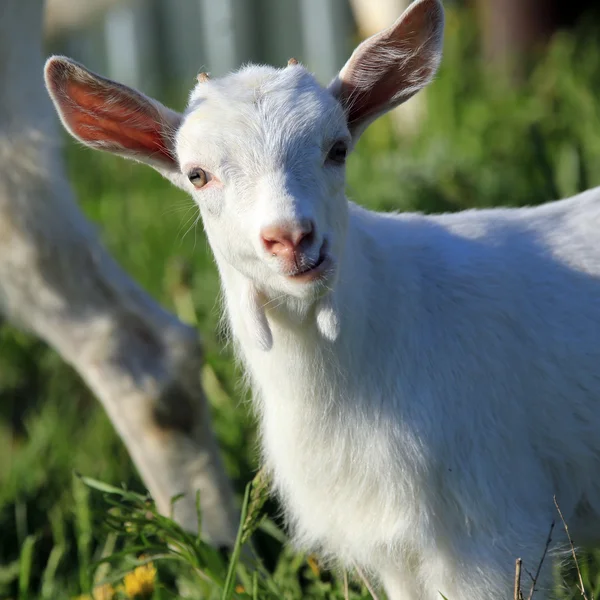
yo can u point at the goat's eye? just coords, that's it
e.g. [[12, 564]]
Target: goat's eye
[[338, 153], [198, 177]]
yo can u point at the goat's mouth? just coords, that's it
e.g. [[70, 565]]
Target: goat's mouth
[[314, 271]]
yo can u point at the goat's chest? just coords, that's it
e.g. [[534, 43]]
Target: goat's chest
[[347, 479]]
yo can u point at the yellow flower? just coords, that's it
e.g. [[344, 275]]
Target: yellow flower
[[314, 566], [139, 584]]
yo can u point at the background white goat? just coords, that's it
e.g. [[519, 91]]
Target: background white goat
[[425, 385], [58, 281]]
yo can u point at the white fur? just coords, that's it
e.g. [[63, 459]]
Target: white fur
[[421, 405]]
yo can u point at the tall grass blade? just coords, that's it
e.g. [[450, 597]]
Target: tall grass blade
[[25, 564], [235, 555]]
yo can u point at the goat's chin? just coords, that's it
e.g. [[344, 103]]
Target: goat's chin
[[303, 293], [309, 285]]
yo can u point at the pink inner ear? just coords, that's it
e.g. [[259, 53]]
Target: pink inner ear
[[394, 80], [111, 118], [393, 65]]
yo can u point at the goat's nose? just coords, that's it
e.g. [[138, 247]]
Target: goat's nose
[[285, 240]]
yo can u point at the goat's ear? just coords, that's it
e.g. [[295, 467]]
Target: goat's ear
[[110, 116], [391, 66]]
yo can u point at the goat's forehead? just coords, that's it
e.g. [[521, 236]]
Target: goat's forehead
[[260, 85], [277, 106]]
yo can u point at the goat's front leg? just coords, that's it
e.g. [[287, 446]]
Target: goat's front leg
[[149, 384], [57, 281], [144, 365], [471, 570]]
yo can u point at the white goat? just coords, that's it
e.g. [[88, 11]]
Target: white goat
[[425, 384]]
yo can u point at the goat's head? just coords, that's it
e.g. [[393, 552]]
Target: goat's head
[[262, 151]]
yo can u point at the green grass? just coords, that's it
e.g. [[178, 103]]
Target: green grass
[[482, 144]]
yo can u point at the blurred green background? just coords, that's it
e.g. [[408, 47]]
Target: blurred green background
[[488, 135]]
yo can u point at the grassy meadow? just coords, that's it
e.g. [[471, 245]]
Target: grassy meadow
[[63, 536]]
